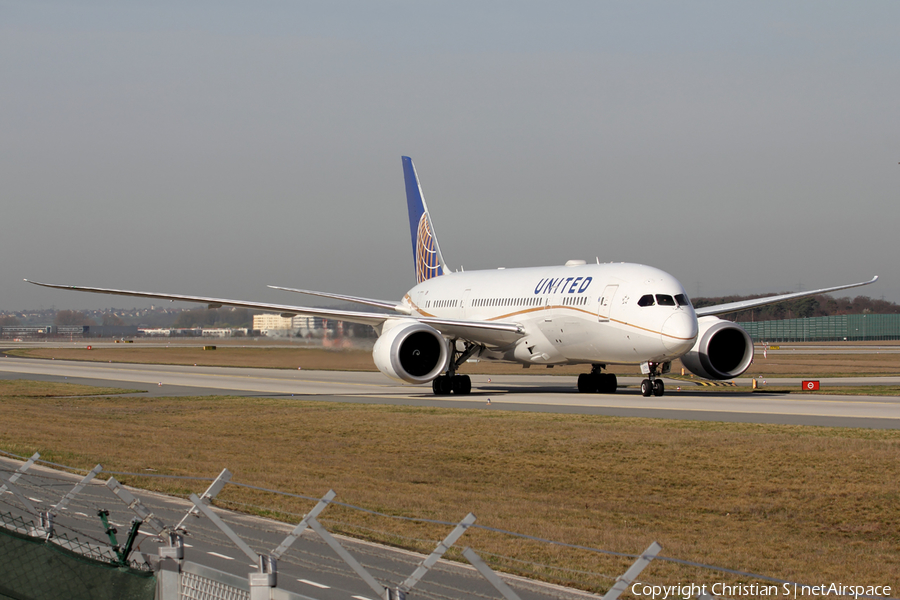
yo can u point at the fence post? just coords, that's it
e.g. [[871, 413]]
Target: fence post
[[135, 505], [442, 547], [489, 574], [8, 481], [45, 528], [61, 505], [262, 583], [633, 571], [302, 525], [211, 492], [218, 522], [376, 587], [15, 476], [171, 558]]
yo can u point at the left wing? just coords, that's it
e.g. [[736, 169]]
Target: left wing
[[730, 307], [486, 332]]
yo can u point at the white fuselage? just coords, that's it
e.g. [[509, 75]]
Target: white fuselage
[[583, 313]]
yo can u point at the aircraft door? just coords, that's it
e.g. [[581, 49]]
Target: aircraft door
[[464, 303], [606, 302], [419, 301]]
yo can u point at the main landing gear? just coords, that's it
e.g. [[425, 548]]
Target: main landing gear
[[456, 384], [451, 382], [651, 386], [597, 382]]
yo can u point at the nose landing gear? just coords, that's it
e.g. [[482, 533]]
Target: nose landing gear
[[652, 386]]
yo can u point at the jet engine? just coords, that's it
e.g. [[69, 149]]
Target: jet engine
[[411, 351], [723, 350]]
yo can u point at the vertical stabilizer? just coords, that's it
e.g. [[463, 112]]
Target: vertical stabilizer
[[426, 250]]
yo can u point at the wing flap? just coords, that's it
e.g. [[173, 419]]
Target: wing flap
[[490, 333], [385, 304]]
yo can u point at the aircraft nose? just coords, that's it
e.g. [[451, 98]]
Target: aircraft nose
[[679, 332]]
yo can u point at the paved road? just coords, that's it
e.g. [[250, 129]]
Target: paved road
[[538, 393], [309, 567]]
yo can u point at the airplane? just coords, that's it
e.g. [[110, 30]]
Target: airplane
[[578, 313]]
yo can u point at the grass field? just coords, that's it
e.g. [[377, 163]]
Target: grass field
[[810, 504]]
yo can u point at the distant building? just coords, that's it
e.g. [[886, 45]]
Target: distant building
[[222, 333], [109, 331], [276, 324], [155, 332]]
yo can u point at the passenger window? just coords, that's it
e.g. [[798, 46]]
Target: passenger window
[[665, 300], [646, 300], [682, 300]]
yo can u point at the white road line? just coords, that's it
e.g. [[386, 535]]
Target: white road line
[[360, 598], [220, 555], [35, 500], [314, 584], [188, 546], [82, 514]]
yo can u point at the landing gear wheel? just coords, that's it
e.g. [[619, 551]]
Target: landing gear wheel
[[659, 388], [442, 385], [587, 383], [461, 384], [646, 387], [611, 384]]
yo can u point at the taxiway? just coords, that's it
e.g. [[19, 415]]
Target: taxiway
[[538, 393]]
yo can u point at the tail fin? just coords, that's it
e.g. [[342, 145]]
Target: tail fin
[[426, 250]]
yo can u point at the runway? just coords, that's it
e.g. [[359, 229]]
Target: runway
[[536, 393]]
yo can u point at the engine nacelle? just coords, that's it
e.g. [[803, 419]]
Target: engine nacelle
[[723, 350], [411, 351]]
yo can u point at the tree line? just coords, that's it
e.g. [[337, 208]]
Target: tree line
[[803, 308], [198, 317]]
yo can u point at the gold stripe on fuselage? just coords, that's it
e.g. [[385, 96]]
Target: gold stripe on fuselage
[[540, 308]]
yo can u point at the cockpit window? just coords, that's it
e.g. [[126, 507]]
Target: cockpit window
[[646, 300], [682, 300], [665, 300]]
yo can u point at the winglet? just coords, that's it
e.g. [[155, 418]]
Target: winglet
[[427, 256]]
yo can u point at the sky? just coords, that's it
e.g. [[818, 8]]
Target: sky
[[212, 148]]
